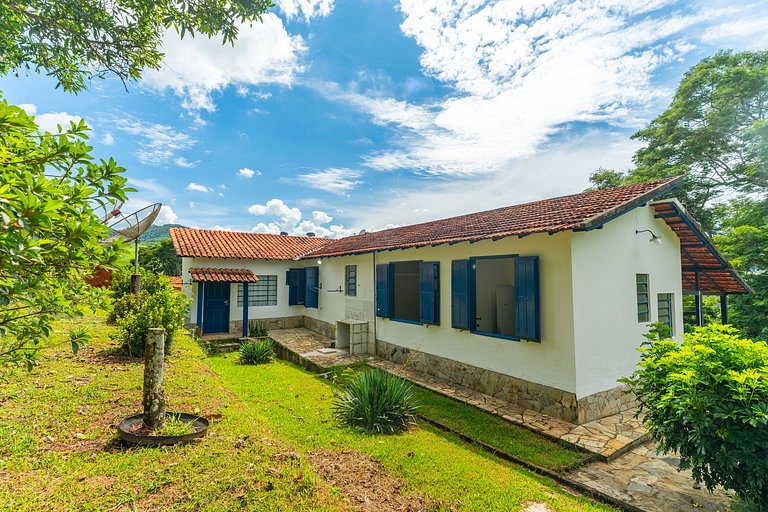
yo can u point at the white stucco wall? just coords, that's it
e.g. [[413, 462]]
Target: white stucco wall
[[334, 305], [550, 362], [258, 267], [605, 262]]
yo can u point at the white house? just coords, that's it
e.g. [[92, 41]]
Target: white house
[[541, 304]]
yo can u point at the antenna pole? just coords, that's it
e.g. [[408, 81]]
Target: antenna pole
[[136, 278]]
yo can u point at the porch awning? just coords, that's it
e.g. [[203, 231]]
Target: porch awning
[[704, 268], [223, 275]]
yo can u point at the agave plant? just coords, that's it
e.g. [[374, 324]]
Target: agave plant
[[257, 330], [257, 352], [376, 402]]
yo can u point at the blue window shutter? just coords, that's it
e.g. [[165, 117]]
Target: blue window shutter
[[429, 292], [382, 290], [290, 279], [527, 321], [460, 294], [312, 280], [295, 278]]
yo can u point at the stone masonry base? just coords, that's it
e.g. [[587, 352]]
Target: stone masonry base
[[548, 400]]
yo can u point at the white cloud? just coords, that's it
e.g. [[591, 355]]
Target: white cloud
[[183, 162], [306, 9], [192, 204], [522, 72], [562, 169], [166, 216], [218, 227], [196, 187], [248, 173], [108, 139], [290, 220], [196, 67], [158, 143], [747, 33], [337, 181], [321, 217], [29, 108], [50, 121]]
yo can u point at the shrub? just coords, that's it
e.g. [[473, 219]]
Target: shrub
[[708, 400], [376, 402], [257, 352], [135, 314], [257, 330]]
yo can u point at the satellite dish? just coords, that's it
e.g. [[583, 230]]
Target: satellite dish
[[131, 227], [111, 211]]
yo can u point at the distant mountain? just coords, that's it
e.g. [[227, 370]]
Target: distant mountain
[[156, 234]]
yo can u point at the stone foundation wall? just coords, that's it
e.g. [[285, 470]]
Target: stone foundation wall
[[286, 322], [554, 402], [605, 403], [320, 327]]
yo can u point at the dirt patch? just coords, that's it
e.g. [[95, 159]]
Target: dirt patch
[[536, 506], [365, 483]]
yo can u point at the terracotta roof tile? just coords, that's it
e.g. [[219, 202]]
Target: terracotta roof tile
[[578, 211], [223, 275], [208, 243]]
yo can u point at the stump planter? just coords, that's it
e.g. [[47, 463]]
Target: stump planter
[[142, 428]]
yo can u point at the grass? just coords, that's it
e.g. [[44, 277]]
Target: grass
[[58, 449], [298, 406], [497, 433]]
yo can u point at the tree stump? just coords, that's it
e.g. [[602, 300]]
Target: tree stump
[[154, 398]]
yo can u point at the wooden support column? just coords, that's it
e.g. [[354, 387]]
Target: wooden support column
[[245, 310], [699, 303], [724, 309]]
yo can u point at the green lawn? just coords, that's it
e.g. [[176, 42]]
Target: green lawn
[[498, 433], [57, 449]]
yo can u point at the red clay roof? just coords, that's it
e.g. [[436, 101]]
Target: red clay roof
[[704, 268], [208, 243], [176, 282], [223, 275], [578, 211]]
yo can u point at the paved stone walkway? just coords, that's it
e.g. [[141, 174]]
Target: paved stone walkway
[[631, 473], [650, 482], [304, 347]]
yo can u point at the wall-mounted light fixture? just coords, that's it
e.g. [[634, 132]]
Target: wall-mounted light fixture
[[655, 239], [320, 261]]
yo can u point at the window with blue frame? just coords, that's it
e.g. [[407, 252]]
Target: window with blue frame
[[303, 286], [665, 303], [409, 291], [643, 295], [497, 296], [350, 278]]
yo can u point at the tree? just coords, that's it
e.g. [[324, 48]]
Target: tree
[[744, 241], [75, 40], [160, 258], [708, 401], [715, 132], [50, 234]]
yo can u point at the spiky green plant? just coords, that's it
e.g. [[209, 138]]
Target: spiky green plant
[[257, 352], [376, 402], [257, 330]]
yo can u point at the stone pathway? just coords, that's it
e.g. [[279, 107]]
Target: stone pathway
[[650, 482], [631, 471], [301, 346]]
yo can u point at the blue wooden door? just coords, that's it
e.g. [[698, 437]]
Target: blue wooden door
[[216, 308]]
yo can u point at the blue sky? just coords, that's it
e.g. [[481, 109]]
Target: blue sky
[[332, 117]]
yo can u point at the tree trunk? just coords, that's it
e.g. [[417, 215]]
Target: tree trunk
[[154, 399]]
